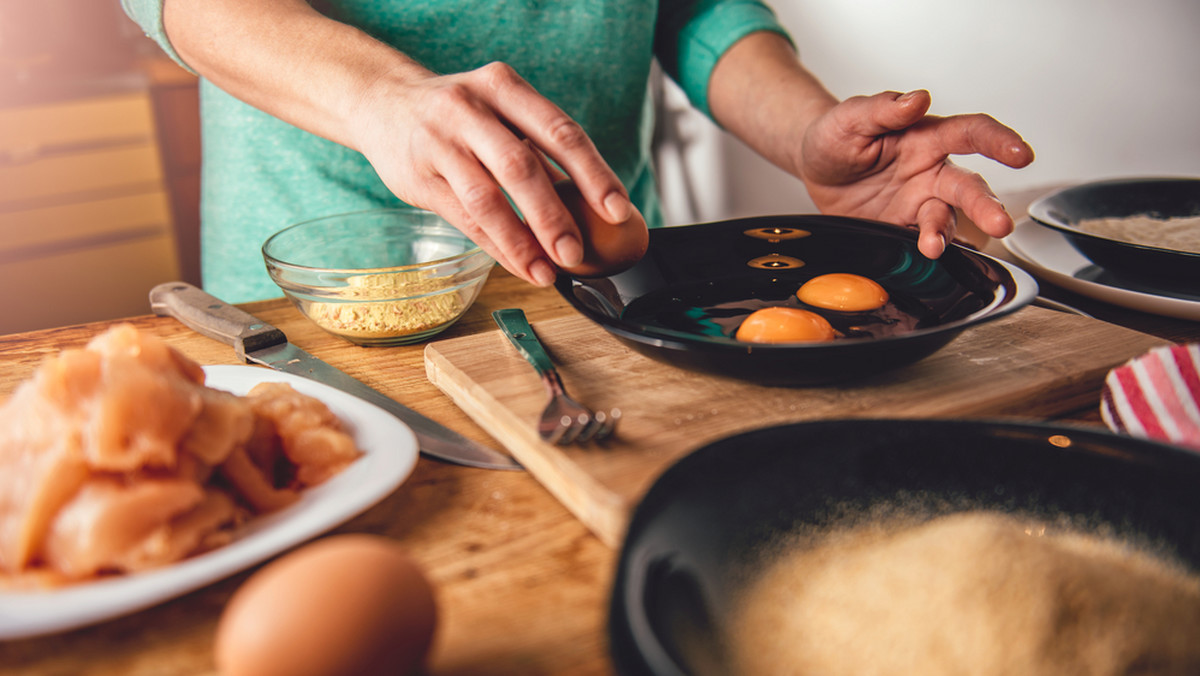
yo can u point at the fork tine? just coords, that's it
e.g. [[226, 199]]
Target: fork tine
[[555, 434], [608, 423], [574, 427], [563, 420], [594, 427]]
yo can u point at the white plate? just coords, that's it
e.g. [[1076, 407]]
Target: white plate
[[389, 455], [1049, 255]]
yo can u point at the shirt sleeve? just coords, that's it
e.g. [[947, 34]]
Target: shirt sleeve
[[693, 34], [149, 15]]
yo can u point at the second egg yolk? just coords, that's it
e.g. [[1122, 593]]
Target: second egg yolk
[[784, 325], [843, 291]]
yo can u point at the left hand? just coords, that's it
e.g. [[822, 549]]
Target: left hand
[[883, 157]]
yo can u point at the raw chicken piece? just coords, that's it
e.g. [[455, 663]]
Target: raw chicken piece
[[121, 404], [41, 468], [313, 437], [108, 519], [117, 458]]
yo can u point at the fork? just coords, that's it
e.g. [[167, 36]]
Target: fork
[[564, 420]]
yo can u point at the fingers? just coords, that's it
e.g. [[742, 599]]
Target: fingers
[[490, 222], [555, 133], [490, 126], [570, 147], [936, 222], [447, 205], [552, 171], [981, 134], [956, 135], [971, 193], [871, 116]]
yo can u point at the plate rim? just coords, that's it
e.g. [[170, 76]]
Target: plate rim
[[1062, 274]]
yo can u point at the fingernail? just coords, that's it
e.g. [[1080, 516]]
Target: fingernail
[[542, 273], [906, 96], [568, 250], [618, 207]]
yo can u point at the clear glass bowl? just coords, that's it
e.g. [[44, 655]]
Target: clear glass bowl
[[378, 277]]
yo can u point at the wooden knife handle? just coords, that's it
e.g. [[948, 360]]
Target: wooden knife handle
[[212, 317]]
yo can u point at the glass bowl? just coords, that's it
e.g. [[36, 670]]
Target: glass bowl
[[378, 277]]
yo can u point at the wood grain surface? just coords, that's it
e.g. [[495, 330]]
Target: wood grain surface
[[522, 585], [1033, 363]]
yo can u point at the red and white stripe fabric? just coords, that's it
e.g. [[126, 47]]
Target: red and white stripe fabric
[[1156, 396]]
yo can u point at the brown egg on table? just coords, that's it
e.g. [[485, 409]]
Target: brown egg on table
[[844, 292], [784, 325], [352, 605], [608, 248]]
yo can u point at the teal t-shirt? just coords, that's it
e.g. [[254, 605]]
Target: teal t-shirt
[[591, 58]]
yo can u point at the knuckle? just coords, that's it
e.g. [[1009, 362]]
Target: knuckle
[[565, 132], [451, 99], [498, 75], [516, 165], [480, 200]]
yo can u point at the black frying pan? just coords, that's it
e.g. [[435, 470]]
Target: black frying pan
[[1158, 198], [682, 303], [702, 522]]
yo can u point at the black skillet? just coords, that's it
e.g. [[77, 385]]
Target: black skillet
[[684, 300], [698, 528], [1157, 198]]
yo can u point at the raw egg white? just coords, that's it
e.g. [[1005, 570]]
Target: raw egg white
[[346, 605], [784, 325], [607, 248], [843, 291]]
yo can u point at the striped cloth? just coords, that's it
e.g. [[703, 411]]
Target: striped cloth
[[1156, 396]]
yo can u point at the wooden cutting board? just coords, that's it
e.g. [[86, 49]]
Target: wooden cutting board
[[1035, 363]]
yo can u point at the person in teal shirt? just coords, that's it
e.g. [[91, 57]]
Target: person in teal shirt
[[315, 108]]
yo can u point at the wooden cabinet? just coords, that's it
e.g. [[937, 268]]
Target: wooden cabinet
[[176, 97], [85, 218]]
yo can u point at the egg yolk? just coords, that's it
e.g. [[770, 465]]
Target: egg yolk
[[843, 291], [784, 325]]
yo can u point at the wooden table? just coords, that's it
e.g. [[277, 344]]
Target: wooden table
[[522, 585]]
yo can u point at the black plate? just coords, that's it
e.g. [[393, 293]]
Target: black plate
[[684, 300], [1154, 197], [699, 526]]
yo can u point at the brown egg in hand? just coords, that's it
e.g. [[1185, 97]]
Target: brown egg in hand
[[843, 291], [784, 325], [608, 248], [346, 605]]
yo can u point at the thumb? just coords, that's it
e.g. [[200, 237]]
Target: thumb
[[892, 111]]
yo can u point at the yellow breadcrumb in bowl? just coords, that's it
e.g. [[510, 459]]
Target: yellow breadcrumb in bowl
[[379, 277]]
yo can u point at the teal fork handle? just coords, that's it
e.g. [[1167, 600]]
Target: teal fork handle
[[516, 328]]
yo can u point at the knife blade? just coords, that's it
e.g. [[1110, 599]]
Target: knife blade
[[261, 343]]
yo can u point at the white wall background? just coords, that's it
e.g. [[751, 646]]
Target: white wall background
[[1100, 89]]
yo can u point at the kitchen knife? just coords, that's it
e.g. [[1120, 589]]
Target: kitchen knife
[[257, 341]]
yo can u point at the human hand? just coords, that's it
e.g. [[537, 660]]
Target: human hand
[[883, 157], [458, 144]]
